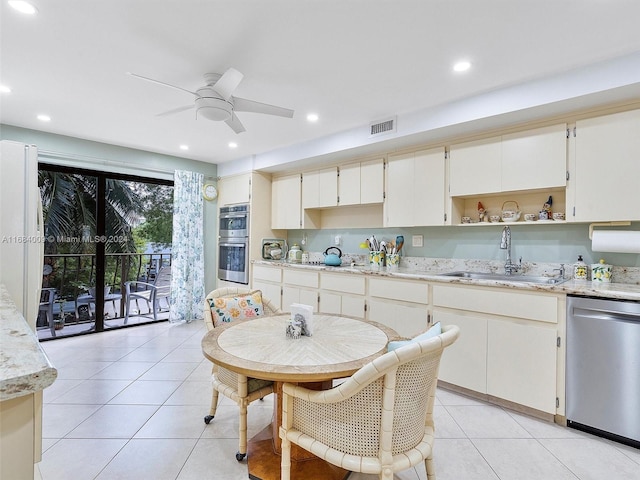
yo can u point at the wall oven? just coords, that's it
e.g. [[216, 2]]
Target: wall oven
[[233, 244], [234, 221]]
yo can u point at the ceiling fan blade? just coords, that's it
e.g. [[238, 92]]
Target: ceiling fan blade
[[244, 105], [228, 82], [175, 110], [162, 83], [235, 123]]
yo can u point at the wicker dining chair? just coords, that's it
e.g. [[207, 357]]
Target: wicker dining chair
[[379, 421], [237, 387]]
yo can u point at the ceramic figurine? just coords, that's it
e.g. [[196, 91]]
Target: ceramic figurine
[[304, 330], [482, 213], [294, 329], [545, 213]]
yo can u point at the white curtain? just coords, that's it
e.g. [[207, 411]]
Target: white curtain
[[187, 265]]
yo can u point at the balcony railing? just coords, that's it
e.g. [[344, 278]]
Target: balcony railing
[[73, 275]]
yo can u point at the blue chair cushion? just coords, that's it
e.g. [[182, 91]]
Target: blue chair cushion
[[434, 331]]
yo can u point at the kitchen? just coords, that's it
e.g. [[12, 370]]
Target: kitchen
[[504, 111]]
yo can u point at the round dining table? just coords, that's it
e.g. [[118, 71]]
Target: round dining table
[[259, 348]]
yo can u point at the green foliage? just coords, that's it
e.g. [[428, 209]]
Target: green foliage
[[157, 203], [135, 214]]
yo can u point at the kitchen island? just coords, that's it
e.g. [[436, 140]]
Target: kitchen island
[[25, 371]]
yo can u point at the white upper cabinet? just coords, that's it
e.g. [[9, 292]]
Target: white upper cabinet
[[535, 159], [474, 167], [415, 189], [371, 181], [607, 168], [320, 188], [528, 160], [349, 185], [285, 202], [361, 183], [234, 189]]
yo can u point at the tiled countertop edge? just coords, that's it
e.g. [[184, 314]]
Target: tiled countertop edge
[[24, 367]]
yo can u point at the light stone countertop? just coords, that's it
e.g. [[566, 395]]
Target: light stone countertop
[[24, 367], [432, 270]]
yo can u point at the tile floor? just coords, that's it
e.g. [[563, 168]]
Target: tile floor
[[128, 404]]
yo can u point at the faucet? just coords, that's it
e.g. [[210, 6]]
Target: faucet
[[505, 244]]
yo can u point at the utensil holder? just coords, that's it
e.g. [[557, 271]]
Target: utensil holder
[[376, 259], [393, 261]]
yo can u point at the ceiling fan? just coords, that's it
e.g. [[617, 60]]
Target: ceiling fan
[[216, 102]]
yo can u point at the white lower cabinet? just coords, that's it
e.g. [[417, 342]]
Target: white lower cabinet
[[399, 304], [299, 286], [339, 304], [499, 354], [342, 294], [465, 362], [269, 281], [521, 363]]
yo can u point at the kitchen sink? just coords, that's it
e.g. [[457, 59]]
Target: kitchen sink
[[507, 278]]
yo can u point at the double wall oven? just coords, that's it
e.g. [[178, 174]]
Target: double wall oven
[[233, 244]]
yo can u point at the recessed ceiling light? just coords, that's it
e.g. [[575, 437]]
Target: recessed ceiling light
[[312, 117], [461, 66], [44, 118], [23, 7], [4, 89], [184, 147], [233, 145]]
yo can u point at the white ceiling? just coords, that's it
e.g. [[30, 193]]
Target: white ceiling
[[350, 61]]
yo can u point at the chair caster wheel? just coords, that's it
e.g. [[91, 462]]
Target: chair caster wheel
[[208, 419], [240, 456]]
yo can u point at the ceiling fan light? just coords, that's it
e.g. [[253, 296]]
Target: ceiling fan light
[[214, 109]]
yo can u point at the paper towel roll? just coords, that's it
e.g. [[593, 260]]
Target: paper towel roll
[[615, 241]]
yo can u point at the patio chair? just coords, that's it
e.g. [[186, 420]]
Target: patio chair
[[239, 388], [150, 293], [379, 421], [47, 302]]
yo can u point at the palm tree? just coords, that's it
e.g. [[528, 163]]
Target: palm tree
[[69, 207]]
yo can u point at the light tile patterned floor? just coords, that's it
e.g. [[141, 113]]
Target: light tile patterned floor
[[129, 404]]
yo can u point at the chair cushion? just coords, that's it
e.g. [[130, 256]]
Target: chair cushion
[[255, 384], [434, 331], [226, 309]]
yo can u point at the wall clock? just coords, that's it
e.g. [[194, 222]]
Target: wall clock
[[209, 191]]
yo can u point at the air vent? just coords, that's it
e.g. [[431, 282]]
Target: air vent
[[383, 127]]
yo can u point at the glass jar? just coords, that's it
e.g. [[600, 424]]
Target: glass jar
[[295, 254]]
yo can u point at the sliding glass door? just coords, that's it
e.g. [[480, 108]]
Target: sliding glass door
[[108, 245]]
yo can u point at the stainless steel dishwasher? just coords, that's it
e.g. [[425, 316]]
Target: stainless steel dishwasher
[[603, 367]]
